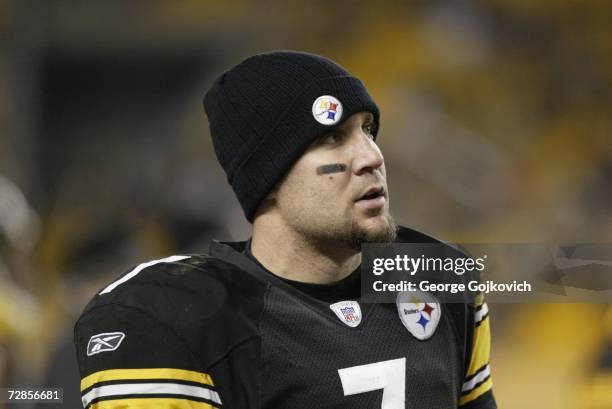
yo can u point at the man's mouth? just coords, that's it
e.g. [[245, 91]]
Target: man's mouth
[[373, 197]]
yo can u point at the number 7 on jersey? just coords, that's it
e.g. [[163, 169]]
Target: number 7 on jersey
[[390, 376]]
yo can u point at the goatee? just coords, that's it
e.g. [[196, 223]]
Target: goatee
[[384, 234]]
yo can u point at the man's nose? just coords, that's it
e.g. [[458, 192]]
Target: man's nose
[[368, 156]]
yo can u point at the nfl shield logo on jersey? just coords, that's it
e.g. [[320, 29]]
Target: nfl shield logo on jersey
[[419, 312], [348, 312]]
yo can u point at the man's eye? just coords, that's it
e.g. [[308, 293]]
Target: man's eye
[[369, 129]]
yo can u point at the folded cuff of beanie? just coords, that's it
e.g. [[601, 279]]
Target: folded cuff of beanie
[[295, 131]]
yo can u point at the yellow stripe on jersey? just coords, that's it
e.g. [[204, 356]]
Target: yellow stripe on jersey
[[476, 392], [151, 403], [145, 374], [481, 347], [481, 350]]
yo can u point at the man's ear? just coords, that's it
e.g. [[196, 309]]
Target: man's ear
[[267, 204], [271, 196], [270, 199], [273, 193]]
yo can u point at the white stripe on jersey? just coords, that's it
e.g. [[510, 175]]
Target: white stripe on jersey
[[108, 391], [478, 315], [480, 376], [138, 269]]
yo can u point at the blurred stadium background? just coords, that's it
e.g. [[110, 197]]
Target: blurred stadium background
[[496, 126]]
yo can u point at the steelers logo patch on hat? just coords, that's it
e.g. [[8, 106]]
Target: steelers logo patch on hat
[[327, 110]]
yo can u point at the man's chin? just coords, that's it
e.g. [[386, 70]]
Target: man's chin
[[377, 229]]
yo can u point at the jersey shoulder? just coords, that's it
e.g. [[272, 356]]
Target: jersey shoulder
[[185, 323], [192, 286], [200, 300]]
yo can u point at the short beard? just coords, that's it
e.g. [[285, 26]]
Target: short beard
[[349, 238], [357, 236]]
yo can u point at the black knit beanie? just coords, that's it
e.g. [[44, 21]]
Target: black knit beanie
[[264, 112]]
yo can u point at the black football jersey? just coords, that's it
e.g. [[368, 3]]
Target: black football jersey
[[218, 331]]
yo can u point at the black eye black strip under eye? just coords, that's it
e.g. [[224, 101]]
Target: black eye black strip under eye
[[333, 168]]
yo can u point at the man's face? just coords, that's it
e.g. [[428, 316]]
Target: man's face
[[337, 190]]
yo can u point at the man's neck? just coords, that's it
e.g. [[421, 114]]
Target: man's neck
[[290, 255]]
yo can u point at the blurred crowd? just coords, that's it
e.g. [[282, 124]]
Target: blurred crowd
[[496, 127]]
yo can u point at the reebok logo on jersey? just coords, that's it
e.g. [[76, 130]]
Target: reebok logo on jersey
[[108, 341]]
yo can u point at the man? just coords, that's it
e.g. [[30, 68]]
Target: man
[[276, 322]]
